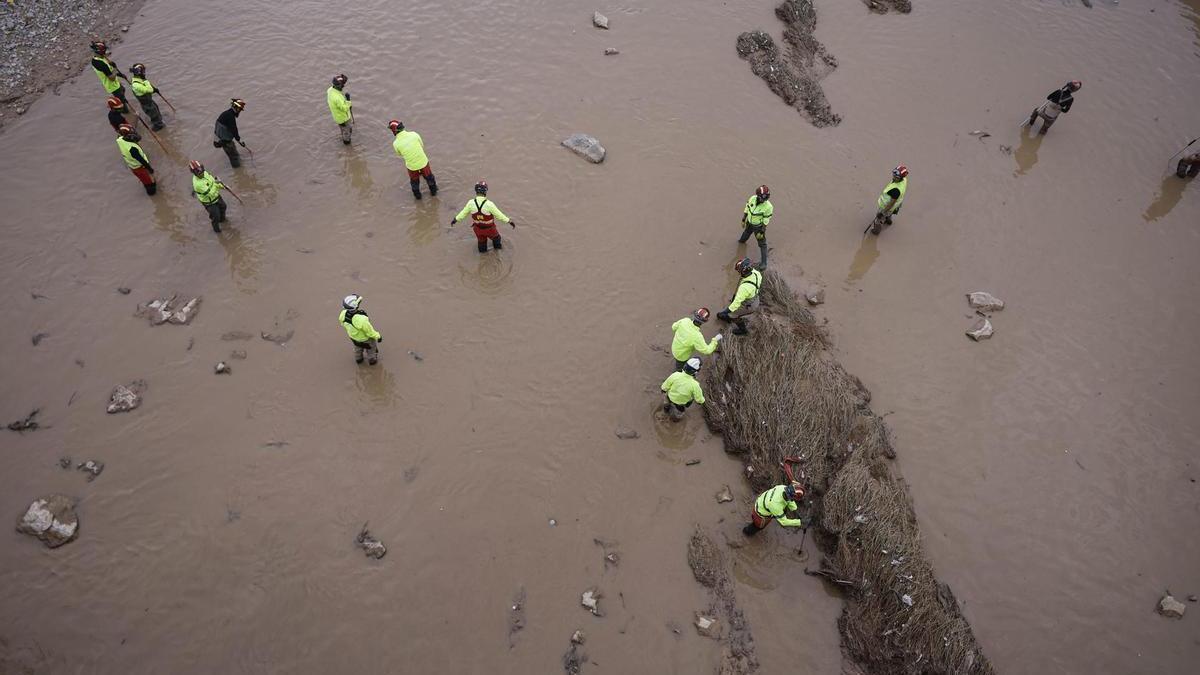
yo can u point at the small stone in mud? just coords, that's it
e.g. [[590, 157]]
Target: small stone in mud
[[278, 338], [1170, 607], [92, 468], [591, 600], [611, 51], [724, 495], [236, 335], [125, 398], [65, 463], [1192, 598], [416, 356], [599, 20], [191, 343], [27, 423], [186, 313], [586, 147], [124, 29], [371, 546], [222, 368], [516, 616], [982, 330], [20, 111], [577, 637], [124, 291], [553, 522], [985, 301], [691, 462], [51, 519], [708, 626], [239, 354], [38, 337], [626, 434], [815, 296]]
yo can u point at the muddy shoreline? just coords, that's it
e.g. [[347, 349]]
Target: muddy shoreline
[[47, 43]]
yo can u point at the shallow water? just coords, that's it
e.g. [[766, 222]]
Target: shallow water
[[1051, 466]]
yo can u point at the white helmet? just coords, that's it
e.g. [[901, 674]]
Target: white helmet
[[352, 301], [693, 364]]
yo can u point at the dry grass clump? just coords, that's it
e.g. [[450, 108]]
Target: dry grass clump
[[778, 393]]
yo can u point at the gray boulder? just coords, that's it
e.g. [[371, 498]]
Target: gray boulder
[[372, 547], [985, 301], [599, 20], [1170, 607], [184, 315], [982, 330], [51, 519], [126, 398], [587, 147]]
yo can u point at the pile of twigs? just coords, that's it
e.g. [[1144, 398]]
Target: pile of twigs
[[778, 393]]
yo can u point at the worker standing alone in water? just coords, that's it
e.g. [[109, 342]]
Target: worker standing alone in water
[[689, 340], [339, 107], [107, 71], [774, 505], [144, 92], [890, 199], [682, 390], [358, 327], [484, 214], [207, 189], [225, 131], [409, 146], [135, 158], [745, 298], [755, 218], [1057, 102]]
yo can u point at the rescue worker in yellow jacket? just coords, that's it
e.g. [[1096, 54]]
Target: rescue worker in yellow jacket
[[208, 191], [689, 340], [135, 158], [358, 327], [340, 106], [410, 146], [484, 214], [891, 199], [107, 71], [745, 298], [682, 390], [144, 92], [755, 218], [774, 505]]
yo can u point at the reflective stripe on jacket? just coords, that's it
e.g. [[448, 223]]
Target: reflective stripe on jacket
[[758, 214], [885, 198], [207, 188]]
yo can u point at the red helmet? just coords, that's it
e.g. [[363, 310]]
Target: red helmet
[[196, 167], [899, 172], [763, 192], [395, 126], [99, 48], [793, 492], [701, 315], [744, 266], [125, 130], [481, 187], [115, 103]]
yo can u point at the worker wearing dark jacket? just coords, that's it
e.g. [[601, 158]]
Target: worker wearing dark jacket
[[116, 112], [107, 71], [774, 505], [1059, 101], [225, 131], [135, 158]]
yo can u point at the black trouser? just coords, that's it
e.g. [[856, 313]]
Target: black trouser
[[231, 151], [152, 111], [216, 213], [760, 233], [120, 93], [1187, 167], [415, 184]]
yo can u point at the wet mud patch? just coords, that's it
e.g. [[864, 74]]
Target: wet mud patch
[[806, 409], [897, 6], [794, 72], [708, 566]]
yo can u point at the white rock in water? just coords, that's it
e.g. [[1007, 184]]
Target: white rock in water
[[1171, 608], [186, 313], [591, 600], [577, 637], [222, 368], [126, 398], [611, 51], [599, 20], [815, 296], [586, 146], [724, 495], [985, 301], [982, 330], [708, 626], [51, 519]]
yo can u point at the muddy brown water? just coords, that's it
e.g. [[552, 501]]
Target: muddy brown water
[[1053, 467]]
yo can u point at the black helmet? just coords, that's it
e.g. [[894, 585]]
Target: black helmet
[[98, 47], [744, 267], [481, 187], [340, 81], [138, 69]]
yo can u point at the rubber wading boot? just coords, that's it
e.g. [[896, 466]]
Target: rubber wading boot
[[432, 182], [497, 244], [416, 188], [483, 246], [745, 235], [373, 361], [750, 530], [1033, 118], [358, 360], [762, 249]]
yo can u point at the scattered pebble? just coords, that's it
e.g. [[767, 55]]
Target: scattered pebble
[[724, 495], [51, 519], [27, 423], [222, 368], [65, 463], [577, 637], [371, 546], [124, 291], [38, 337], [92, 468], [982, 330], [416, 356], [599, 20], [1170, 607], [553, 522], [691, 462], [985, 301], [626, 434], [125, 398], [591, 600], [611, 52], [708, 626]]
